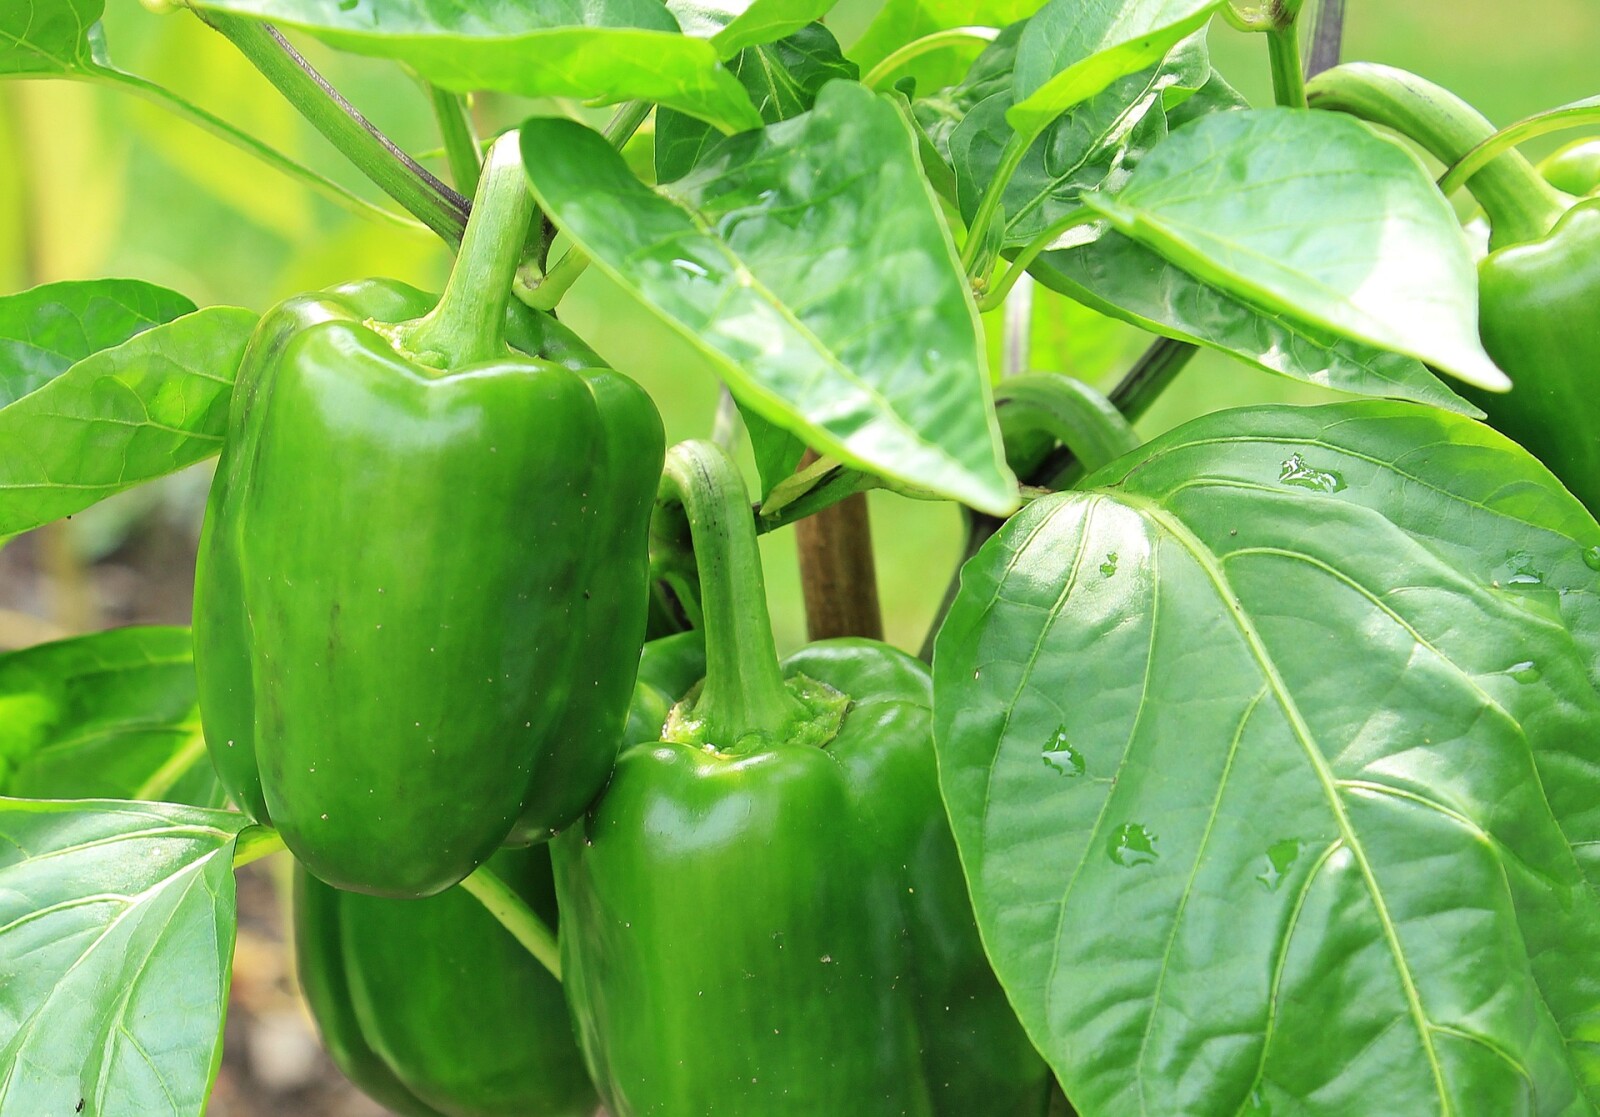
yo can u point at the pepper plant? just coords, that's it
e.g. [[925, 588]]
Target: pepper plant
[[1250, 770]]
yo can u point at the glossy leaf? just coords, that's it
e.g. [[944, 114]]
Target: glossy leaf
[[1119, 277], [735, 25], [1073, 49], [139, 410], [594, 50], [116, 945], [782, 79], [900, 22], [1314, 216], [1272, 763], [1093, 146], [46, 330], [47, 37], [762, 259], [112, 715]]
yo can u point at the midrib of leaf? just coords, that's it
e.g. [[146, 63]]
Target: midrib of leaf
[[1206, 560], [1188, 891], [177, 766]]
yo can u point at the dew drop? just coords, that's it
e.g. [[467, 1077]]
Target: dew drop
[[1132, 844], [1525, 672], [1258, 1105], [1109, 566], [1281, 857], [1295, 471], [1060, 755], [1591, 557], [1518, 570], [691, 267]]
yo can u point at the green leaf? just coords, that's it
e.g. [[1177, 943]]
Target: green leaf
[[826, 289], [148, 407], [47, 330], [1075, 48], [40, 38], [594, 50], [900, 22], [116, 945], [112, 715], [782, 79], [1093, 146], [1272, 763], [1118, 277], [1314, 216], [776, 451], [735, 25]]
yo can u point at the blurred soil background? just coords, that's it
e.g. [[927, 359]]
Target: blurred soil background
[[100, 184]]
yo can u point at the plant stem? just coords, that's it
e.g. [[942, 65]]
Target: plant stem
[[1288, 80], [497, 897], [1576, 115], [216, 126], [977, 232], [1520, 205], [625, 121], [744, 693], [432, 202], [469, 324], [1076, 415], [1019, 265], [461, 147], [838, 575], [938, 40]]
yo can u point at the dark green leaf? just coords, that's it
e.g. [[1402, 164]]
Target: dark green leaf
[[1116, 276], [111, 715], [1315, 216], [777, 452], [593, 50], [782, 80], [1273, 765], [1072, 49], [45, 331], [826, 289], [942, 112], [116, 945], [139, 410], [47, 37]]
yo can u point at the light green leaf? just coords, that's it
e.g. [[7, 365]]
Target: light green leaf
[[148, 407], [594, 50], [41, 38], [1272, 762], [734, 25], [826, 290], [1313, 216], [112, 715], [900, 22], [46, 330], [1073, 49], [116, 946]]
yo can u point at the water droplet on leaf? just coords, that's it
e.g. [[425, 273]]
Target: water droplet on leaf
[[1295, 471], [1281, 857], [1060, 755], [1109, 566], [1518, 570], [1591, 557], [1525, 672], [1132, 844]]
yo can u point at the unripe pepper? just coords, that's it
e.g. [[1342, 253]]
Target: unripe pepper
[[1575, 169], [435, 1010], [422, 579], [764, 914]]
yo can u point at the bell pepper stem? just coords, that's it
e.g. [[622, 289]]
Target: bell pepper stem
[[1520, 205], [744, 694], [469, 324]]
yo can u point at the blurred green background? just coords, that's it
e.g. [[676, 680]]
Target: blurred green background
[[102, 184]]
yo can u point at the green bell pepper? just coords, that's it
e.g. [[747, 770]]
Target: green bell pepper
[[763, 914], [423, 575], [435, 1010], [1539, 286], [1575, 169]]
